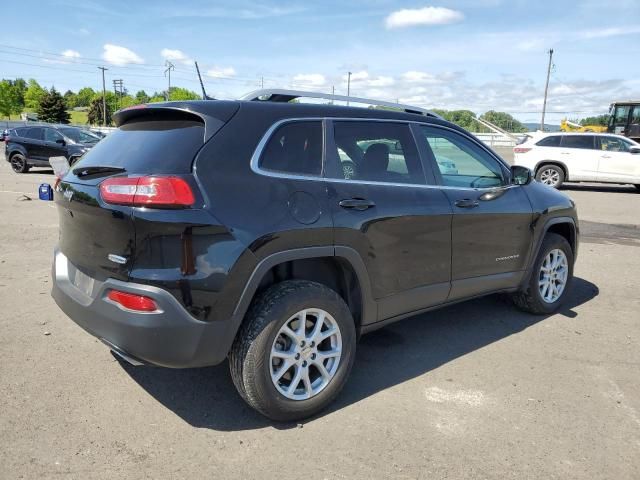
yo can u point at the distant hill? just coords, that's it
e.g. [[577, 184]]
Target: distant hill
[[532, 127]]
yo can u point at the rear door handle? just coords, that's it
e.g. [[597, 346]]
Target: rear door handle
[[356, 203], [606, 156], [467, 203]]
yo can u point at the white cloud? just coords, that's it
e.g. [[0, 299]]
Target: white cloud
[[357, 76], [608, 32], [71, 54], [423, 16], [413, 76], [310, 79], [221, 72], [381, 81], [117, 55], [176, 56]]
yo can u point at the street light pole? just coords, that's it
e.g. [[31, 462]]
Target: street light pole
[[348, 86]]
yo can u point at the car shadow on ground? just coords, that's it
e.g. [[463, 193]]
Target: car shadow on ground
[[206, 397], [46, 171], [602, 187]]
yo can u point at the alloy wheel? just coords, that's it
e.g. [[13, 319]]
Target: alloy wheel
[[305, 354], [550, 176], [553, 275]]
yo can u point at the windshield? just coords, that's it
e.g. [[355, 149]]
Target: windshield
[[80, 136]]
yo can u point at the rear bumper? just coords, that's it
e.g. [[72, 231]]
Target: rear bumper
[[170, 337]]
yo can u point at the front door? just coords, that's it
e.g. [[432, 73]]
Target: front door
[[617, 164], [382, 204], [52, 146], [491, 229]]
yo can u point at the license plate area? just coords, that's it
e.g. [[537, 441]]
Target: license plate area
[[83, 282]]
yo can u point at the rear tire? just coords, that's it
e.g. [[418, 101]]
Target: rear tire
[[637, 185], [272, 350], [19, 163], [551, 175], [535, 298]]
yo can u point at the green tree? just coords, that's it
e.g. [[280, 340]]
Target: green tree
[[128, 101], [598, 120], [33, 94], [95, 116], [180, 94], [142, 97], [10, 99], [462, 118], [52, 108], [85, 96], [504, 121], [70, 99], [157, 98]]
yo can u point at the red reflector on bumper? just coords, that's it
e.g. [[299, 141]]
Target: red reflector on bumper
[[130, 301]]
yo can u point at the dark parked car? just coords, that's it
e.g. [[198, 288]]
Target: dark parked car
[[32, 146], [204, 230]]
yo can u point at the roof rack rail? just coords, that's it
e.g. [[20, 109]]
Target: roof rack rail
[[284, 95]]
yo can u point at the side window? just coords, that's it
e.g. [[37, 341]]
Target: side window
[[375, 152], [578, 141], [635, 115], [294, 148], [613, 144], [553, 141], [621, 115], [34, 133], [461, 162], [51, 135]]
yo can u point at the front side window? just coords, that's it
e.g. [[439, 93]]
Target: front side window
[[462, 163], [613, 144], [553, 141], [622, 115], [376, 152], [578, 141], [635, 115], [294, 148], [50, 135]]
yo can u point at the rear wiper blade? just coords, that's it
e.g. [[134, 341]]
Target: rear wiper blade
[[96, 171]]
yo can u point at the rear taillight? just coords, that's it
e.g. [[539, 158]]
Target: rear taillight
[[521, 149], [147, 192], [130, 301]]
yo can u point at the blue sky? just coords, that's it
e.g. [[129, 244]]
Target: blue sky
[[475, 54]]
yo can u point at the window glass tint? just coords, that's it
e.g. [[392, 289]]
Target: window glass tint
[[21, 132], [295, 148], [635, 115], [613, 144], [577, 141], [80, 136], [461, 162], [149, 146], [553, 141], [621, 115], [376, 152], [51, 135], [34, 133]]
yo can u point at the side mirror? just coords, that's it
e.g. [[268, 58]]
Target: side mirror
[[61, 142], [520, 175], [635, 150]]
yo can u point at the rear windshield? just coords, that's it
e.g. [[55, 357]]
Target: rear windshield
[[149, 146]]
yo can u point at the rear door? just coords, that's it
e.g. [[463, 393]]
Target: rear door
[[578, 152], [617, 164], [386, 207], [491, 233], [32, 140]]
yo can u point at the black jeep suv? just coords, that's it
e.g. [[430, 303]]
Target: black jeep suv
[[204, 230], [32, 146]]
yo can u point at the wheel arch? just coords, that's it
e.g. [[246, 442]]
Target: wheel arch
[[339, 268]]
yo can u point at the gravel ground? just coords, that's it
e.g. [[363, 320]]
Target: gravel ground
[[477, 390]]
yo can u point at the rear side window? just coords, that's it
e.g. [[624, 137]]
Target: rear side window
[[376, 152], [549, 141], [294, 148], [149, 146], [34, 133], [578, 141]]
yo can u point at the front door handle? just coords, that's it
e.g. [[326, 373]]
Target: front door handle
[[356, 203], [606, 156], [467, 203]]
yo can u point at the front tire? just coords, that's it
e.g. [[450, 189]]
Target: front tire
[[551, 175], [551, 277], [294, 351], [19, 163]]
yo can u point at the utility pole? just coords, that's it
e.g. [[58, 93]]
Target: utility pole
[[546, 89], [261, 83], [118, 89], [348, 87], [104, 98], [170, 66], [333, 92], [204, 94]]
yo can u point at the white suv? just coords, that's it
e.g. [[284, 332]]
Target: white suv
[[580, 157]]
